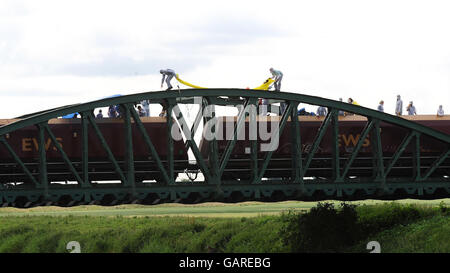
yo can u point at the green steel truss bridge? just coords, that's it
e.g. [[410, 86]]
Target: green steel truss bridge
[[406, 169]]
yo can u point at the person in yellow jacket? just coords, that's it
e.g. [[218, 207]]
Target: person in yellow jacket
[[351, 101]]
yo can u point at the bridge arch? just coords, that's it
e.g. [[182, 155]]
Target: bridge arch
[[307, 174]]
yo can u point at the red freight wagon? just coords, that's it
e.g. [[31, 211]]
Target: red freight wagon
[[350, 129], [68, 134]]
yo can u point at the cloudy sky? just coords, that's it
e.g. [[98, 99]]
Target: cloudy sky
[[54, 53]]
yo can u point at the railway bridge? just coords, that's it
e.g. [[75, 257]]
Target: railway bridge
[[45, 159]]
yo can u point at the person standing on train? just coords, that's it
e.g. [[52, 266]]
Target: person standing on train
[[351, 101], [277, 75], [381, 106], [440, 111], [141, 112], [399, 106], [411, 109], [112, 112], [340, 112], [170, 74], [118, 111], [146, 105], [321, 111], [100, 114]]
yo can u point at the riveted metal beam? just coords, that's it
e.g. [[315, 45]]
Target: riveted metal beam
[[232, 142], [272, 147], [253, 139], [190, 141], [43, 179], [297, 158], [111, 157], [170, 151], [436, 163], [335, 161], [198, 119], [317, 140], [358, 146], [377, 151], [399, 151], [85, 148], [63, 154], [20, 162], [213, 148], [416, 158], [129, 154], [150, 146]]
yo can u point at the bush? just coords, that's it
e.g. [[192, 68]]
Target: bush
[[443, 208], [322, 229]]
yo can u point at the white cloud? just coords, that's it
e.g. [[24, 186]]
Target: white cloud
[[73, 51]]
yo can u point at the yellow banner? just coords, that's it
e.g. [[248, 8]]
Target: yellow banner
[[188, 84], [264, 86]]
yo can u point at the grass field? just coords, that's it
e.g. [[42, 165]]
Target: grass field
[[141, 234], [208, 227], [245, 209]]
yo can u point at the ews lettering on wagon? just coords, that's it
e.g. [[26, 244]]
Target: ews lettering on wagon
[[348, 141], [352, 140], [30, 144]]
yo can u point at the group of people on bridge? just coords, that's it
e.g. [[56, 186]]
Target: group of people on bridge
[[168, 74], [410, 109]]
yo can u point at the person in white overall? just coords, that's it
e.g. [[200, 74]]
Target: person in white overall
[[170, 74]]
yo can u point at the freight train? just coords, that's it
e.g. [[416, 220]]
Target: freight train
[[350, 128], [68, 134]]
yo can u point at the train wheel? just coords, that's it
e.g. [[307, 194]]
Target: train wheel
[[65, 200], [21, 201]]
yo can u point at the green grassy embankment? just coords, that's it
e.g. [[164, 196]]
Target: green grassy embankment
[[215, 227], [140, 234], [430, 235], [244, 209]]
